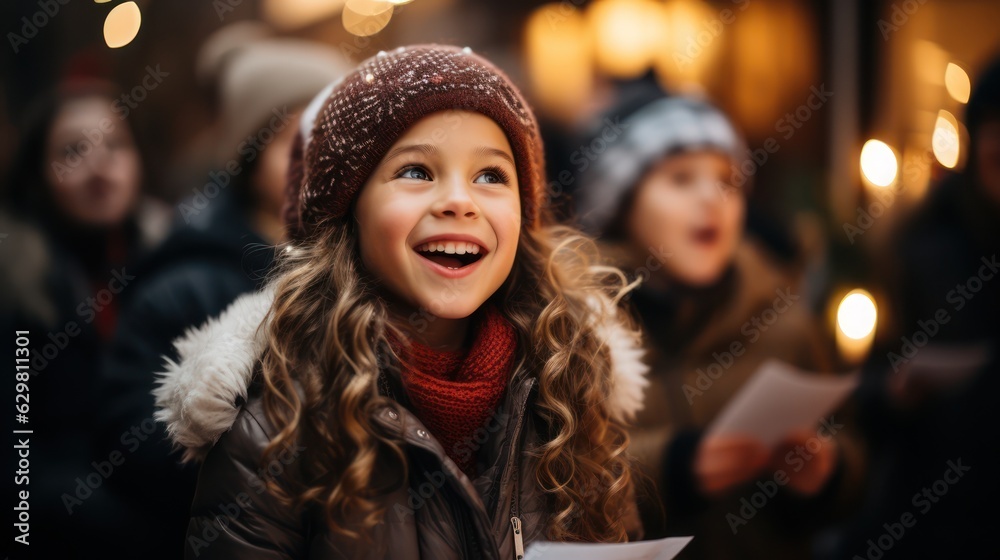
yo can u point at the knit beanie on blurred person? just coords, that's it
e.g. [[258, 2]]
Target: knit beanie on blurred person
[[348, 128], [215, 51], [264, 79], [638, 140]]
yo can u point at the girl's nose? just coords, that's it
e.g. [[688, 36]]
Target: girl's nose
[[711, 191], [455, 199]]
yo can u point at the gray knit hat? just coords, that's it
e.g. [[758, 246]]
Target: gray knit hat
[[658, 129]]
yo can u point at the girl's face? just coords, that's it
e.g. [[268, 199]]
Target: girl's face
[[439, 217], [689, 216], [91, 164]]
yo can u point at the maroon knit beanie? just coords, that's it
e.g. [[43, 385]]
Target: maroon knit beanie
[[350, 126]]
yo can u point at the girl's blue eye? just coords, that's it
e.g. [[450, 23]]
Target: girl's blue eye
[[683, 178], [493, 175], [728, 188], [414, 172]]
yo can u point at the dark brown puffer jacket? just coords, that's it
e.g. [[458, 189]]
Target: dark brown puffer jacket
[[440, 514]]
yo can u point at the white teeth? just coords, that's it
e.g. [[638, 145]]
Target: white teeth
[[450, 247]]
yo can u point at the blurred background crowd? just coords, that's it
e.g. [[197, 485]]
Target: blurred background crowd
[[816, 181]]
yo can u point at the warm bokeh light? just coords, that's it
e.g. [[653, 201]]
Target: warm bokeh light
[[558, 59], [624, 34], [366, 17], [945, 141], [685, 46], [929, 61], [293, 14], [122, 25], [878, 163], [956, 80], [857, 315], [917, 170], [772, 49]]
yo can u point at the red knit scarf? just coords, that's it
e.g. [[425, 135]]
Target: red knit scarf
[[455, 392]]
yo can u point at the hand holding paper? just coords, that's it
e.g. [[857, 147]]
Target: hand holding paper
[[728, 460], [779, 400]]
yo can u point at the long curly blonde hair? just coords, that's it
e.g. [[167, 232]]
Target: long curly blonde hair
[[327, 333]]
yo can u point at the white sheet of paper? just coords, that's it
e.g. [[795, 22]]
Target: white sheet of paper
[[662, 549], [780, 399]]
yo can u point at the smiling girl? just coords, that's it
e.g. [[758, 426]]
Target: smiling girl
[[435, 371]]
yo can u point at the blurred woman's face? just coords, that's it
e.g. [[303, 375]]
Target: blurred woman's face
[[91, 163], [689, 216]]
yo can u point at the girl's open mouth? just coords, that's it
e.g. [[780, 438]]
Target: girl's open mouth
[[706, 235], [451, 255]]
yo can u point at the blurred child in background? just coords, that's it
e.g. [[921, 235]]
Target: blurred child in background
[[666, 199]]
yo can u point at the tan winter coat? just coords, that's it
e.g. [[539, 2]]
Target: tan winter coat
[[766, 316]]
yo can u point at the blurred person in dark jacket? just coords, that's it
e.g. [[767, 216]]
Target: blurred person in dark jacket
[[222, 247], [76, 225], [929, 391], [665, 196]]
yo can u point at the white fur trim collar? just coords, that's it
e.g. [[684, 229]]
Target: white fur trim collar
[[197, 395]]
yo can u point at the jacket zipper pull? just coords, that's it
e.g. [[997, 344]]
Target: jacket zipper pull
[[515, 522]]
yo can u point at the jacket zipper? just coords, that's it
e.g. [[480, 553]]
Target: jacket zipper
[[515, 521]]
